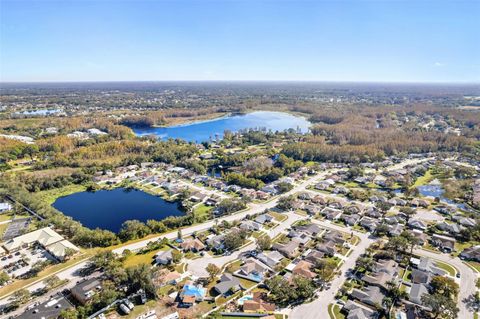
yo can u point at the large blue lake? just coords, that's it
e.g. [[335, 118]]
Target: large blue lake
[[108, 209], [213, 129]]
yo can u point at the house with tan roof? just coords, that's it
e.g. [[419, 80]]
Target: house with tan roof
[[194, 245], [49, 239], [303, 268]]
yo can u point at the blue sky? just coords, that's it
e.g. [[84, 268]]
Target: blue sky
[[395, 41]]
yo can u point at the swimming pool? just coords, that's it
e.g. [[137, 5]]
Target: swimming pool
[[246, 297]]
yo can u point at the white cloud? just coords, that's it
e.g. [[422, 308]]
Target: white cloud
[[438, 64]]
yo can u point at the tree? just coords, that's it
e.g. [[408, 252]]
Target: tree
[[140, 277], [444, 286], [283, 187], [176, 256], [304, 287], [441, 306], [394, 294], [20, 297], [213, 271], [109, 294], [4, 277], [365, 262], [264, 242], [326, 269], [69, 314], [286, 202], [51, 282], [133, 229], [234, 239]]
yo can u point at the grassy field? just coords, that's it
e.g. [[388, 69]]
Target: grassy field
[[147, 258], [50, 196], [422, 180], [202, 210]]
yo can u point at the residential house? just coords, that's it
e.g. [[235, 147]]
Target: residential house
[[191, 293], [328, 248], [395, 230], [85, 290], [471, 253], [227, 285], [194, 245], [250, 225], [163, 257], [264, 218], [359, 311], [369, 223], [451, 228], [445, 243], [216, 242], [373, 212], [351, 220], [311, 209], [304, 268], [319, 200], [418, 202], [428, 265], [271, 258], [384, 272], [258, 304], [370, 295], [420, 236], [334, 236], [314, 256], [289, 249], [416, 293], [253, 270], [417, 223], [311, 229], [302, 239], [331, 213], [420, 276]]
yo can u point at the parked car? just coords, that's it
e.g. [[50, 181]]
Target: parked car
[[124, 309]]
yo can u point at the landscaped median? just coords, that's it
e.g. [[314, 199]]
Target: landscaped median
[[334, 312]]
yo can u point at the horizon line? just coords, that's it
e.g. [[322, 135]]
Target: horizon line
[[244, 81]]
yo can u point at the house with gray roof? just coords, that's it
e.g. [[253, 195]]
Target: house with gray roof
[[264, 218], [359, 311], [163, 257], [416, 293], [228, 284], [370, 295], [270, 258]]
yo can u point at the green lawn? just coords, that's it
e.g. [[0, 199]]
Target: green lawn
[[147, 258], [474, 264], [425, 179], [202, 210], [334, 312], [277, 216], [448, 268]]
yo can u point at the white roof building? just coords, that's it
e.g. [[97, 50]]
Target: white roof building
[[47, 237]]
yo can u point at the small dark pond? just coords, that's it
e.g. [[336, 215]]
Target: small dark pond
[[108, 209]]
